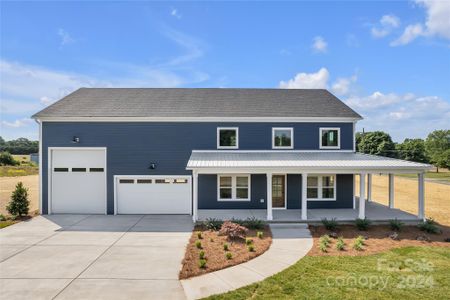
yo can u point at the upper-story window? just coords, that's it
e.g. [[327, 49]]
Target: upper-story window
[[330, 138], [282, 138], [227, 138]]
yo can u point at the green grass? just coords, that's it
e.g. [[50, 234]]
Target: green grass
[[6, 223], [441, 176], [9, 171], [307, 279]]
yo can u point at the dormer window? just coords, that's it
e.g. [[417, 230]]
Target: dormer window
[[227, 138], [330, 138], [282, 138]]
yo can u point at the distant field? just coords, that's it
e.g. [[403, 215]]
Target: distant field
[[21, 158], [14, 171], [443, 175]]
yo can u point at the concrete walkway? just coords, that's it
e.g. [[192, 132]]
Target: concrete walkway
[[290, 243]]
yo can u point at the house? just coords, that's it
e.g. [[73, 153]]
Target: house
[[180, 151]]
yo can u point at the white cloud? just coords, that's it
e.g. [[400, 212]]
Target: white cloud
[[17, 123], [65, 37], [319, 44], [342, 85], [411, 33], [174, 13], [318, 80], [386, 24]]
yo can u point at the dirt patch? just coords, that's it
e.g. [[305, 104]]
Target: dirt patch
[[377, 239], [8, 184], [212, 245]]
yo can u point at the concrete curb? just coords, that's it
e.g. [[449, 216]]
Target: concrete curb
[[290, 243]]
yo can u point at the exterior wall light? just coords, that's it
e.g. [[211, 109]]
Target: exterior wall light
[[152, 166], [75, 140]]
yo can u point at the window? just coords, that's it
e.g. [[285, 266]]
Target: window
[[227, 138], [233, 187], [282, 138], [321, 187], [180, 180], [146, 181], [330, 138], [78, 169], [166, 180], [96, 170], [61, 169], [126, 180]]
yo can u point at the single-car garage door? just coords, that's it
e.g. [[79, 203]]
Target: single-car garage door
[[153, 194], [77, 180]]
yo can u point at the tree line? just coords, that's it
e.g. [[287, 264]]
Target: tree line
[[435, 149], [19, 146]]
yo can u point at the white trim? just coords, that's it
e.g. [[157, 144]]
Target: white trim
[[118, 177], [285, 191], [272, 151], [362, 192], [291, 129], [320, 187], [200, 119], [391, 190], [40, 167], [288, 170], [269, 196], [49, 173], [421, 196], [234, 188], [369, 187], [339, 138], [354, 136], [228, 128], [354, 192], [194, 203]]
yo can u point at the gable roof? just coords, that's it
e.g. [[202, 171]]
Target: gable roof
[[198, 103]]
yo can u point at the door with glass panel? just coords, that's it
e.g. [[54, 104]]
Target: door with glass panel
[[279, 191]]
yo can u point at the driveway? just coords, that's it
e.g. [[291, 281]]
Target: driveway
[[94, 257]]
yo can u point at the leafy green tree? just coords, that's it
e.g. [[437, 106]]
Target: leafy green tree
[[377, 143], [6, 159], [437, 145], [19, 146], [412, 150], [19, 204]]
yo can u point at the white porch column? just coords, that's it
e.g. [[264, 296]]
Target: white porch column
[[391, 190], [354, 192], [362, 194], [195, 196], [421, 179], [269, 197], [369, 187], [304, 200]]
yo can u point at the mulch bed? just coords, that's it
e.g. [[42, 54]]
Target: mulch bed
[[215, 255], [377, 239]]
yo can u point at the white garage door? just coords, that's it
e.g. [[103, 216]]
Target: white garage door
[[153, 194], [78, 181]]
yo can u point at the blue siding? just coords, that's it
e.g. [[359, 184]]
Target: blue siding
[[132, 146]]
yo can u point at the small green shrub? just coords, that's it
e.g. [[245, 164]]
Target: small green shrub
[[395, 224], [198, 244], [225, 247], [362, 224], [248, 241], [323, 247], [251, 248], [202, 263], [260, 234], [212, 224], [358, 244], [6, 159], [330, 224], [228, 255], [19, 204], [324, 242], [361, 239], [254, 223], [430, 226], [201, 254], [340, 244], [2, 217], [199, 235]]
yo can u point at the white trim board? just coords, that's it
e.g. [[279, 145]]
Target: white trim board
[[234, 188], [338, 137], [291, 129], [236, 129], [285, 191]]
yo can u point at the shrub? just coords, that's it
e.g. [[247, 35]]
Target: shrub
[[395, 224], [202, 263], [198, 244], [323, 247], [228, 255], [19, 204], [199, 235], [253, 223], [330, 224], [213, 224], [358, 244], [251, 248], [2, 217], [324, 242], [211, 240], [362, 224], [361, 239], [340, 244], [201, 254], [260, 234], [429, 225], [225, 247], [233, 230], [248, 241], [6, 159]]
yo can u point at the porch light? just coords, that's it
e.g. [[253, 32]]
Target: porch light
[[152, 166], [75, 140]]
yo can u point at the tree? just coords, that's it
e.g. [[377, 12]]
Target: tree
[[19, 146], [6, 159], [19, 204], [412, 150], [377, 143], [437, 145]]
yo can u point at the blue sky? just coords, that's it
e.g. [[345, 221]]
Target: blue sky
[[390, 61]]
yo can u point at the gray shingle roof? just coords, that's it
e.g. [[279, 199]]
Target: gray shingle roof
[[198, 102]]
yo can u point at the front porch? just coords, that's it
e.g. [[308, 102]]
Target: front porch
[[374, 211]]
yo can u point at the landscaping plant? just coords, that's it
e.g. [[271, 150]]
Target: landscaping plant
[[340, 244], [324, 242], [260, 234], [199, 235], [430, 226], [228, 255], [359, 243], [233, 230], [2, 217], [330, 224], [395, 224], [198, 244], [253, 223], [213, 224], [248, 241], [201, 254], [225, 247], [202, 263], [251, 248], [19, 204], [362, 224]]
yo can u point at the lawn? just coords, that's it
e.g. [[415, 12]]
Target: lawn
[[415, 273], [14, 171], [7, 223], [443, 175]]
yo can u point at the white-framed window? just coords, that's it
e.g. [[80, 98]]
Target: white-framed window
[[282, 138], [321, 187], [227, 138], [233, 187], [330, 138]]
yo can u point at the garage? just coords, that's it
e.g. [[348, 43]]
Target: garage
[[153, 194], [77, 179]]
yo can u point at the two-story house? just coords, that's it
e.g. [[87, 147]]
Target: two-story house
[[178, 151]]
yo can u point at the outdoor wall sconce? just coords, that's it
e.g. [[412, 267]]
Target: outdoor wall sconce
[[75, 140], [152, 166]]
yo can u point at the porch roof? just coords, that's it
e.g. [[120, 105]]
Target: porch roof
[[300, 160]]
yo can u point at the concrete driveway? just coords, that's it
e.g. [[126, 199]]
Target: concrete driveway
[[94, 257]]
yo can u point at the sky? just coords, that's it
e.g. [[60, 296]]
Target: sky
[[389, 61]]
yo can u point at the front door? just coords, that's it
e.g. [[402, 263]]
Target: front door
[[278, 191]]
